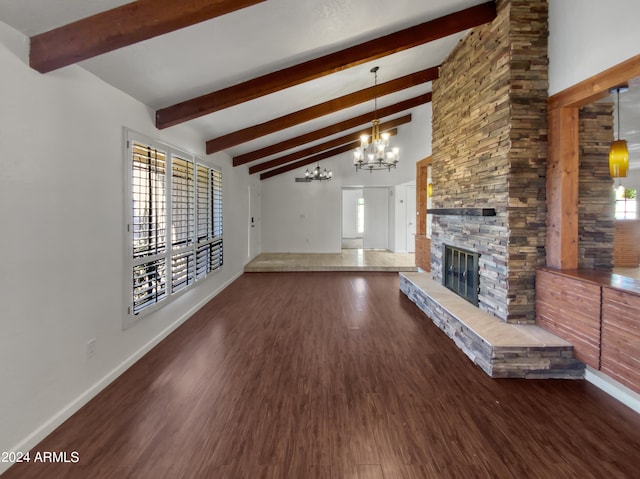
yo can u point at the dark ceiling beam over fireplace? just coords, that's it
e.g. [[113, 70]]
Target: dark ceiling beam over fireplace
[[321, 109], [120, 27], [326, 65]]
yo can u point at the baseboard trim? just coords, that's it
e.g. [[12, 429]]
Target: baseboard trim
[[613, 388], [56, 420]]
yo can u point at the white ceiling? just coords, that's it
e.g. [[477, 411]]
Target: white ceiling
[[264, 38], [251, 42], [629, 120]]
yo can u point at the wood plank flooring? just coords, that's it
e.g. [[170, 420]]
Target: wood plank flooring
[[333, 375]]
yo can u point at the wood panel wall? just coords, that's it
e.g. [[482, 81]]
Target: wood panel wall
[[422, 177], [626, 245], [621, 337], [423, 244], [570, 309], [423, 252]]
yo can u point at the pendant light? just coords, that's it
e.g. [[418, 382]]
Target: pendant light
[[618, 152], [316, 174], [374, 152]]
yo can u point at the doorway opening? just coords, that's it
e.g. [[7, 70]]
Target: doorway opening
[[365, 218]]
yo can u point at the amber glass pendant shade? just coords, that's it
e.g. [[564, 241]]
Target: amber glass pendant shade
[[618, 152], [618, 159]]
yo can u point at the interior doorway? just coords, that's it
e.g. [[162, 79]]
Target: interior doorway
[[352, 218], [365, 218]]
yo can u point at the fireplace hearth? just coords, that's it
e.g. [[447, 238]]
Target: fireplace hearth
[[460, 272]]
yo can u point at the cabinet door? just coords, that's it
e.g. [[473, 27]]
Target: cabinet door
[[621, 337]]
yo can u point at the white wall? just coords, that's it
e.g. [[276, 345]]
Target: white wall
[[300, 217], [305, 217], [589, 36], [63, 241]]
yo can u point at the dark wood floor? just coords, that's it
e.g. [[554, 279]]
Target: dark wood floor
[[325, 375]]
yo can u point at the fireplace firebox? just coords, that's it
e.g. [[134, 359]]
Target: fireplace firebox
[[460, 273]]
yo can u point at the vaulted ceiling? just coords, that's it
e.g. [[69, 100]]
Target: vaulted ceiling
[[274, 83]]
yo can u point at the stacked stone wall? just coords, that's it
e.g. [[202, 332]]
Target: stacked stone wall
[[489, 151], [596, 224]]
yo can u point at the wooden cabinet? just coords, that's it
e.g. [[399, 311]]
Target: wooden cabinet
[[597, 312], [570, 308], [621, 337], [626, 244]]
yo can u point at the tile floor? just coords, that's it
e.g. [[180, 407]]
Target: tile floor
[[347, 260]]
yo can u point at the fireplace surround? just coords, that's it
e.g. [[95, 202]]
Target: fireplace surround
[[489, 150], [460, 272]]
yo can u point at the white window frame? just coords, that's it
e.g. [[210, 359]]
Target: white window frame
[[625, 208], [191, 251]]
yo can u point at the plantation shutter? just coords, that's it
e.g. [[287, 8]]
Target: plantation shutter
[[216, 245], [175, 225], [209, 201], [148, 180], [182, 223]]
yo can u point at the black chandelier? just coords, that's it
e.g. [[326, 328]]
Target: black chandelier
[[316, 174]]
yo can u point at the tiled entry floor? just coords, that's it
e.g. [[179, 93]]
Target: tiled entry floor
[[347, 260]]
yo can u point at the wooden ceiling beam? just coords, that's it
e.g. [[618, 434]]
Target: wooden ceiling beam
[[120, 27], [321, 109], [327, 145], [325, 65], [330, 130], [308, 161]]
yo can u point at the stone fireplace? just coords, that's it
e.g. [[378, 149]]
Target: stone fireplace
[[488, 167], [489, 151]]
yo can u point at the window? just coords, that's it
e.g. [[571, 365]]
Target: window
[[175, 225], [625, 203]]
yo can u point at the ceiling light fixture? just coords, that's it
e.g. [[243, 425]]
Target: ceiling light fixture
[[618, 152], [374, 153], [316, 174]]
